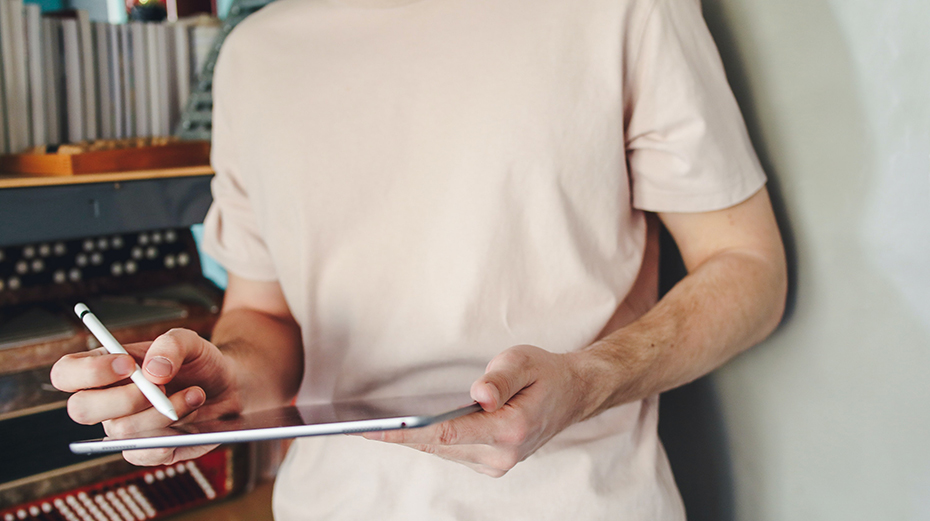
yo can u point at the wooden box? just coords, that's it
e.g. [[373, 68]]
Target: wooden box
[[172, 155]]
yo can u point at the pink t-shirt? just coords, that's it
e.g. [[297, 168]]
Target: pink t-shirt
[[434, 181]]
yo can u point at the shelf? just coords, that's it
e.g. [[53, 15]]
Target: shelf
[[36, 209], [20, 181]]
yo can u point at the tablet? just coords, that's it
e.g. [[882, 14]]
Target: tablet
[[343, 417]]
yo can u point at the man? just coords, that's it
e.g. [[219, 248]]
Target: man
[[419, 196]]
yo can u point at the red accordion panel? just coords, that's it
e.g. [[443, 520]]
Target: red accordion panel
[[149, 493]]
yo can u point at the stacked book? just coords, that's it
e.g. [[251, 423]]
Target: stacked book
[[68, 79]]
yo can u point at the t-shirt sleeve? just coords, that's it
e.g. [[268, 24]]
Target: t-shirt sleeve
[[687, 145], [232, 233]]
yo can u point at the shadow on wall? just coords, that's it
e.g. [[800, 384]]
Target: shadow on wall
[[693, 432], [731, 56], [692, 429]]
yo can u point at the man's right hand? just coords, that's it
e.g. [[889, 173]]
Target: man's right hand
[[260, 365], [198, 379]]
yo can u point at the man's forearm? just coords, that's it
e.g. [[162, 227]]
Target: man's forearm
[[727, 304], [266, 352]]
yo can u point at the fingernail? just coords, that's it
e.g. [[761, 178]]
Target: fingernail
[[123, 366], [194, 397], [159, 366], [494, 393], [485, 395], [486, 392]]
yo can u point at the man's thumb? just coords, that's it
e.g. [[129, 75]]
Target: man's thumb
[[506, 375], [167, 353]]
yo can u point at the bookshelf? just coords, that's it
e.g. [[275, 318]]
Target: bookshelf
[[35, 209]]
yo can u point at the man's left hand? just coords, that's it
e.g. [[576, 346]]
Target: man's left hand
[[528, 395]]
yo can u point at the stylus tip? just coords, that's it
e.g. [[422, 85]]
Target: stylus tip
[[171, 414]]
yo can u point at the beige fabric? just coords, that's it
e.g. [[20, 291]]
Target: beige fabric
[[434, 182]]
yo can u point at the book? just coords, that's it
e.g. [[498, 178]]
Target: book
[[104, 95], [115, 80], [6, 75], [35, 66], [74, 81], [140, 81], [182, 70], [54, 79], [167, 87], [88, 69], [15, 82], [154, 48], [126, 68]]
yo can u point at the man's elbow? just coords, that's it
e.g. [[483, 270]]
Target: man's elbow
[[776, 296]]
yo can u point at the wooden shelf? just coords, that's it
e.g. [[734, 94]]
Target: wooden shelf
[[21, 181], [37, 209]]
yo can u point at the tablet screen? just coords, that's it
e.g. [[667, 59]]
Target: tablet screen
[[318, 419]]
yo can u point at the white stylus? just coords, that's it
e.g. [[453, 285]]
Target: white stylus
[[158, 399]]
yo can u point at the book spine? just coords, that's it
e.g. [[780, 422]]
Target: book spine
[[35, 72], [126, 67], [165, 81], [74, 81], [182, 67], [88, 68], [104, 96], [140, 81], [6, 75], [19, 133], [156, 95], [53, 77], [115, 80]]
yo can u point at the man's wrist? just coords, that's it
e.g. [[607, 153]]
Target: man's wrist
[[613, 372]]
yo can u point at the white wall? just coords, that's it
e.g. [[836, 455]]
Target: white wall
[[830, 418]]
